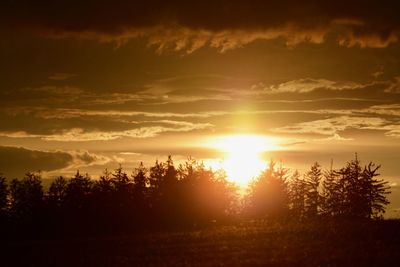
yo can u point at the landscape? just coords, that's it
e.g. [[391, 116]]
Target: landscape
[[206, 133]]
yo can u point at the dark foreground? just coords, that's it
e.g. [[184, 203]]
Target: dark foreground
[[249, 244]]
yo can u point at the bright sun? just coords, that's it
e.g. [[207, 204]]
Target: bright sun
[[242, 161]]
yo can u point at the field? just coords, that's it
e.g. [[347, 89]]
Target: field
[[246, 244]]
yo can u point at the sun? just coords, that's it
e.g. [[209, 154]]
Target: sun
[[243, 156]]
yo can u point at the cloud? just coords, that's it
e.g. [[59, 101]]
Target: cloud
[[394, 86], [15, 161], [190, 40], [386, 110], [55, 90], [336, 137], [43, 95], [19, 134], [333, 126], [85, 158], [61, 76], [222, 24], [155, 93], [60, 113], [393, 131], [378, 73], [78, 134], [130, 153], [82, 122], [306, 85]]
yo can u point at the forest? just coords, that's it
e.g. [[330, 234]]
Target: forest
[[186, 196]]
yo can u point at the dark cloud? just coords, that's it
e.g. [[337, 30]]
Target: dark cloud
[[188, 25], [15, 161], [108, 16]]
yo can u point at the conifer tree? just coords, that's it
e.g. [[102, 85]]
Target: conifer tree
[[157, 173], [58, 190], [121, 180], [352, 202], [140, 177], [313, 197], [374, 192], [331, 193], [105, 183], [268, 197], [3, 195], [297, 194], [27, 196], [78, 191]]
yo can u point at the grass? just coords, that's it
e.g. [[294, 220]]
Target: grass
[[246, 244]]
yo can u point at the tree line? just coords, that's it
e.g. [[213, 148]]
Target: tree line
[[166, 196], [352, 191]]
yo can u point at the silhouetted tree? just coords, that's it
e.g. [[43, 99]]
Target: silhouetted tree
[[140, 195], [123, 198], [56, 214], [77, 205], [227, 201], [78, 189], [26, 196], [121, 180], [105, 184], [140, 179], [3, 196], [352, 201], [123, 186], [374, 192], [353, 191], [103, 204], [313, 198], [157, 173], [269, 196], [332, 193], [205, 195], [170, 204], [58, 191], [297, 195], [171, 174]]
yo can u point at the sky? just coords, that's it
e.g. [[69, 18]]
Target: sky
[[93, 84]]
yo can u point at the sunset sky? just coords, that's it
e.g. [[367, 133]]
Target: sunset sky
[[91, 84]]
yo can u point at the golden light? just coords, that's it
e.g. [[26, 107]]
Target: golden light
[[242, 161]]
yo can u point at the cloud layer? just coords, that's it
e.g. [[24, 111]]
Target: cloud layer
[[335, 125], [223, 24]]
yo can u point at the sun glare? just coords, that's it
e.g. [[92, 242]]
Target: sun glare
[[243, 156]]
